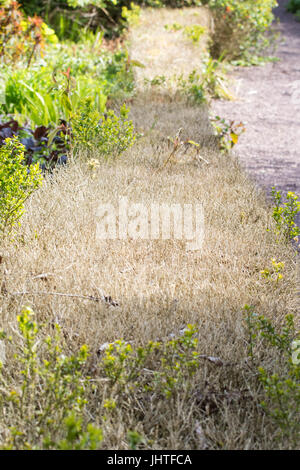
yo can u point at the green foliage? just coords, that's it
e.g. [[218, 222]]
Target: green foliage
[[78, 437], [285, 213], [200, 85], [44, 409], [134, 439], [281, 380], [49, 92], [173, 363], [43, 403], [107, 133], [132, 14], [194, 32], [227, 132], [17, 183], [173, 27], [71, 17], [210, 82], [214, 79], [193, 87], [294, 7], [112, 16], [274, 273], [21, 38], [239, 27]]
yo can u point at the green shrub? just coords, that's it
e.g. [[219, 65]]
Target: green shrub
[[210, 82], [17, 182], [172, 364], [43, 406], [69, 18], [239, 27], [49, 91], [107, 133], [45, 402], [21, 37], [78, 436], [294, 7], [285, 213], [281, 377]]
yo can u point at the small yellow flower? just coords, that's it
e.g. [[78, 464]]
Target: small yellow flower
[[93, 164]]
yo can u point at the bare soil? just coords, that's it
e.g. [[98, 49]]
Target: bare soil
[[268, 102]]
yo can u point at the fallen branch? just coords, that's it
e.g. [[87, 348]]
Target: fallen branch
[[103, 298]]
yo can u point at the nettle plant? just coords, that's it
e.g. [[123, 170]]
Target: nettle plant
[[104, 133], [17, 183]]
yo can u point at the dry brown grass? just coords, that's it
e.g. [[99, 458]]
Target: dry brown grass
[[164, 52], [158, 285]]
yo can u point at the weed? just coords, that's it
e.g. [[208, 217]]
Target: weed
[[213, 78], [176, 361], [77, 436], [293, 6], [193, 87], [281, 381], [273, 274], [178, 145], [194, 32], [159, 80], [131, 15], [110, 134], [173, 27], [134, 438], [285, 213], [239, 27], [21, 37], [211, 82], [228, 133], [44, 409], [17, 182]]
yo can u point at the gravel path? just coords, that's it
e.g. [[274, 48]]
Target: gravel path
[[269, 104]]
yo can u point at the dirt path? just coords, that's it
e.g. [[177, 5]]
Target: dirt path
[[269, 104], [268, 97]]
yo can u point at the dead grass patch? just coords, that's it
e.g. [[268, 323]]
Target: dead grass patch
[[159, 286], [99, 291], [163, 52]]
